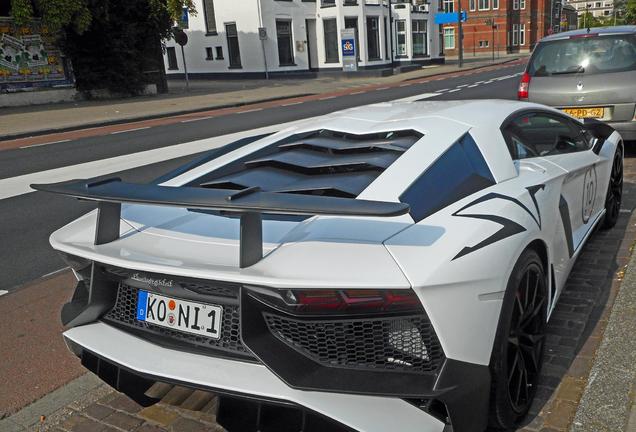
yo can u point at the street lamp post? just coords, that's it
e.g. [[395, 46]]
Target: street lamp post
[[493, 26]]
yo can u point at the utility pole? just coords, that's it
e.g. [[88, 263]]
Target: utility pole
[[551, 16], [460, 57], [390, 32], [614, 10]]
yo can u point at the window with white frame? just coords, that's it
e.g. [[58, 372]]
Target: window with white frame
[[449, 5], [495, 4], [418, 28], [522, 34], [449, 37], [522, 4], [483, 44], [515, 34], [373, 38], [472, 4], [484, 4], [400, 36], [208, 14], [515, 4], [330, 28]]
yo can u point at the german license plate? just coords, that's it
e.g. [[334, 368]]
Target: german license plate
[[186, 316], [596, 112]]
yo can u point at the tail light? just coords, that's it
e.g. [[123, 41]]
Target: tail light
[[327, 301], [524, 86]]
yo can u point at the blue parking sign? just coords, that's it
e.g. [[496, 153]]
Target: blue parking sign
[[348, 47]]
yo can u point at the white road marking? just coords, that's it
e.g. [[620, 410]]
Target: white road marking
[[454, 90], [381, 88], [405, 84], [463, 85], [328, 97], [473, 85], [46, 143], [130, 130], [196, 119], [442, 90], [3, 292], [479, 82], [251, 110], [416, 97], [19, 185], [293, 103], [625, 211], [358, 92], [55, 272]]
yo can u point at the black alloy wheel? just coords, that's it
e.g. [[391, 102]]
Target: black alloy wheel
[[614, 190], [518, 349], [526, 339]]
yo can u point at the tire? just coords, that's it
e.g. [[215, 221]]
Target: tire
[[518, 349], [614, 195]]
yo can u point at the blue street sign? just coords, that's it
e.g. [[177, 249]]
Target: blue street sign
[[449, 17], [184, 20], [348, 47]]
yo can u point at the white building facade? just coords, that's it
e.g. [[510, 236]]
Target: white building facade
[[303, 35], [598, 8]]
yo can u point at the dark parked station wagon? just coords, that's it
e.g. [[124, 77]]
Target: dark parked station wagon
[[588, 73]]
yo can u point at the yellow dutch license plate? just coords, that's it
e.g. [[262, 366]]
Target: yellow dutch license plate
[[595, 112]]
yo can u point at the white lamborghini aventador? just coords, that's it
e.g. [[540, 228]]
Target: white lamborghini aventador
[[384, 268]]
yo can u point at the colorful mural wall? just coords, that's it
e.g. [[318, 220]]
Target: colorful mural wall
[[29, 57]]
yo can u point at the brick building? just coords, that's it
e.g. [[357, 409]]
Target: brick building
[[518, 25]]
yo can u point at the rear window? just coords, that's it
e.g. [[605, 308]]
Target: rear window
[[459, 172], [585, 55]]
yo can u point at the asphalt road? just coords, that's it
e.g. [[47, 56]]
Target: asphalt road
[[28, 219]]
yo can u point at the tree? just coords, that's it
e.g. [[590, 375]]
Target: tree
[[629, 16], [587, 20], [112, 44]]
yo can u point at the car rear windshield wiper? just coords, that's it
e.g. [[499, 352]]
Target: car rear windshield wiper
[[575, 69]]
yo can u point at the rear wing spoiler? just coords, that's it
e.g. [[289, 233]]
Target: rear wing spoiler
[[249, 204]]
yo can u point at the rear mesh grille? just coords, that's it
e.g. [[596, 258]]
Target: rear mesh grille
[[125, 312], [402, 343]]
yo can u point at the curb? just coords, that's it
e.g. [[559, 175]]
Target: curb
[[21, 135], [43, 411], [466, 69]]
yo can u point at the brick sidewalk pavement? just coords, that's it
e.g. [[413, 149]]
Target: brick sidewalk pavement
[[574, 334]]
